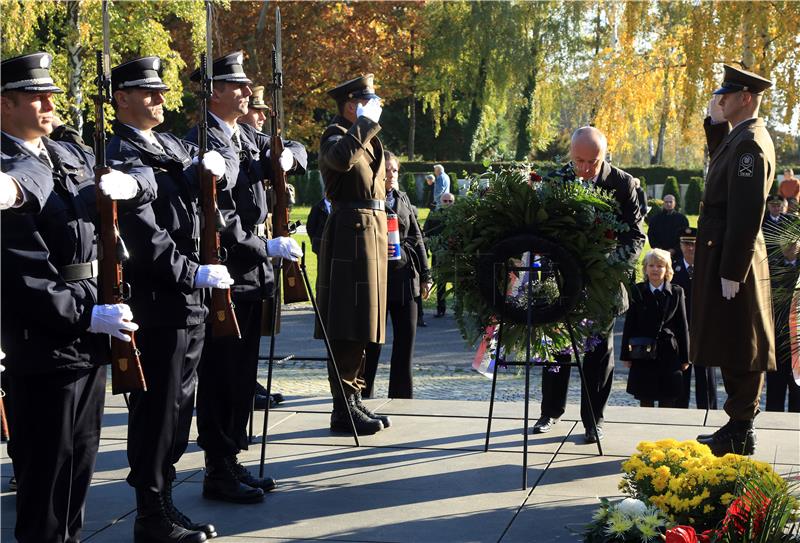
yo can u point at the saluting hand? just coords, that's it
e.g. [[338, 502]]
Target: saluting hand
[[118, 186], [715, 110], [371, 110]]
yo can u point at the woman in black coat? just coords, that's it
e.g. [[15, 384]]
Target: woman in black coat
[[408, 278], [657, 310]]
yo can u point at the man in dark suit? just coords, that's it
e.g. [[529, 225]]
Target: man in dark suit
[[229, 366], [667, 226], [588, 150], [705, 378]]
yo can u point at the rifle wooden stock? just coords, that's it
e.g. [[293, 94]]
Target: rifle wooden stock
[[126, 368], [223, 316]]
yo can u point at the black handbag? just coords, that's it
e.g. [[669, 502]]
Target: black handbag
[[642, 348]]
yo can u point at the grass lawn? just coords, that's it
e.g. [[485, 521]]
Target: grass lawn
[[300, 213]]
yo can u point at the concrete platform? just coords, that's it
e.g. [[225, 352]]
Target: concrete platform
[[425, 479]]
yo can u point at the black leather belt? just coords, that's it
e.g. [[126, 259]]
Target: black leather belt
[[78, 272], [378, 205]]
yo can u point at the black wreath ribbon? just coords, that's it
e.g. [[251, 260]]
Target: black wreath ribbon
[[568, 274]]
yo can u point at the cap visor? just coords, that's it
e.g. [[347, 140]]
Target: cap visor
[[723, 90], [154, 86], [40, 88]]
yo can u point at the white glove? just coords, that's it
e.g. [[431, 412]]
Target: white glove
[[729, 288], [284, 248], [8, 191], [372, 110], [113, 319], [286, 160], [214, 163], [2, 356], [715, 111], [118, 186], [212, 276]]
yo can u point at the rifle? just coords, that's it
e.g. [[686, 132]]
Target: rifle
[[223, 317], [126, 368], [293, 288]]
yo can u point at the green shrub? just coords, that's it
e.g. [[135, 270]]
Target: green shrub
[[655, 208], [694, 192], [671, 187], [313, 188], [643, 183]]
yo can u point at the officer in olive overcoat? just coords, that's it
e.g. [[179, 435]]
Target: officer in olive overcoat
[[732, 323], [351, 284]]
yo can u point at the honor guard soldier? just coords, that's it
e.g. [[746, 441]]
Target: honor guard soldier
[[54, 333], [169, 294], [256, 110], [732, 322], [351, 284], [229, 366], [705, 379]]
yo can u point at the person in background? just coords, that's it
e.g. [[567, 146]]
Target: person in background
[[792, 207], [428, 191], [441, 184], [408, 279], [640, 194], [434, 225], [705, 378], [790, 185], [784, 269], [657, 311], [666, 227], [257, 110]]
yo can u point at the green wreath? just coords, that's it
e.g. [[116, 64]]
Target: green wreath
[[566, 216]]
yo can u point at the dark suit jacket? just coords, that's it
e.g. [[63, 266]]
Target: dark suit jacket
[[404, 275], [620, 184]]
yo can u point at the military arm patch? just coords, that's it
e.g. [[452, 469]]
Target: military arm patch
[[746, 163]]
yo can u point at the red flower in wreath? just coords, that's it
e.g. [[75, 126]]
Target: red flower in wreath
[[535, 177], [753, 506], [681, 534]]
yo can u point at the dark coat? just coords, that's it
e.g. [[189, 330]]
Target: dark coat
[[45, 318], [163, 238], [351, 283], [737, 333], [244, 207], [315, 225], [666, 229], [661, 378], [404, 275], [642, 196], [682, 279]]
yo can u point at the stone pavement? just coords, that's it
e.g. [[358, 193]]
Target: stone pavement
[[425, 479]]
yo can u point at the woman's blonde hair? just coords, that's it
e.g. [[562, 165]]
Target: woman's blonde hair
[[658, 255]]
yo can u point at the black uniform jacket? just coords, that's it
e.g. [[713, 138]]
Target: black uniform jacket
[[244, 207], [45, 318], [404, 275], [317, 217], [163, 238], [644, 316], [682, 279]]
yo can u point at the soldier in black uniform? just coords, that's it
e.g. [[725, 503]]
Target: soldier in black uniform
[[705, 378], [169, 294], [229, 366], [54, 333]]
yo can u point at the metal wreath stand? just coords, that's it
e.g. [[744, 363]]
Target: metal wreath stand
[[569, 278], [272, 358]]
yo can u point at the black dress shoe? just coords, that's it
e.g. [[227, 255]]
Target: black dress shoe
[[544, 425], [260, 402], [182, 520], [243, 474], [737, 437], [590, 436], [221, 482], [422, 324], [154, 525]]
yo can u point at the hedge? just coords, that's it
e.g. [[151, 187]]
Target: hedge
[[694, 193], [671, 187]]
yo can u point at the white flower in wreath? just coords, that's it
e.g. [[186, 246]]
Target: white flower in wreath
[[632, 507]]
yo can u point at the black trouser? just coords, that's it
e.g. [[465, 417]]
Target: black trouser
[[160, 419], [228, 372], [56, 424], [781, 383], [598, 370], [349, 356], [705, 388], [404, 333], [441, 292]]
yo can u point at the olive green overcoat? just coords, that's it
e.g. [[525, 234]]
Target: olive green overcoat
[[737, 333], [351, 279]]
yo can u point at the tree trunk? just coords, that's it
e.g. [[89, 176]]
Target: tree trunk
[[524, 142], [662, 123], [475, 113], [74, 50], [412, 103]]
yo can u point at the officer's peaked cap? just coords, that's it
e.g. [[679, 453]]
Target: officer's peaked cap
[[140, 73], [737, 80], [28, 73], [360, 88], [227, 68]]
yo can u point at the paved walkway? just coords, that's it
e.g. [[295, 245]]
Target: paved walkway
[[425, 479]]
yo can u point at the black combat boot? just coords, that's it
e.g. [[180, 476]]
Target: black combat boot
[[221, 483], [737, 436], [386, 421], [182, 520], [154, 525], [243, 474], [340, 421]]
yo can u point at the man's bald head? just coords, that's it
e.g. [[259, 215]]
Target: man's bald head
[[587, 150]]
